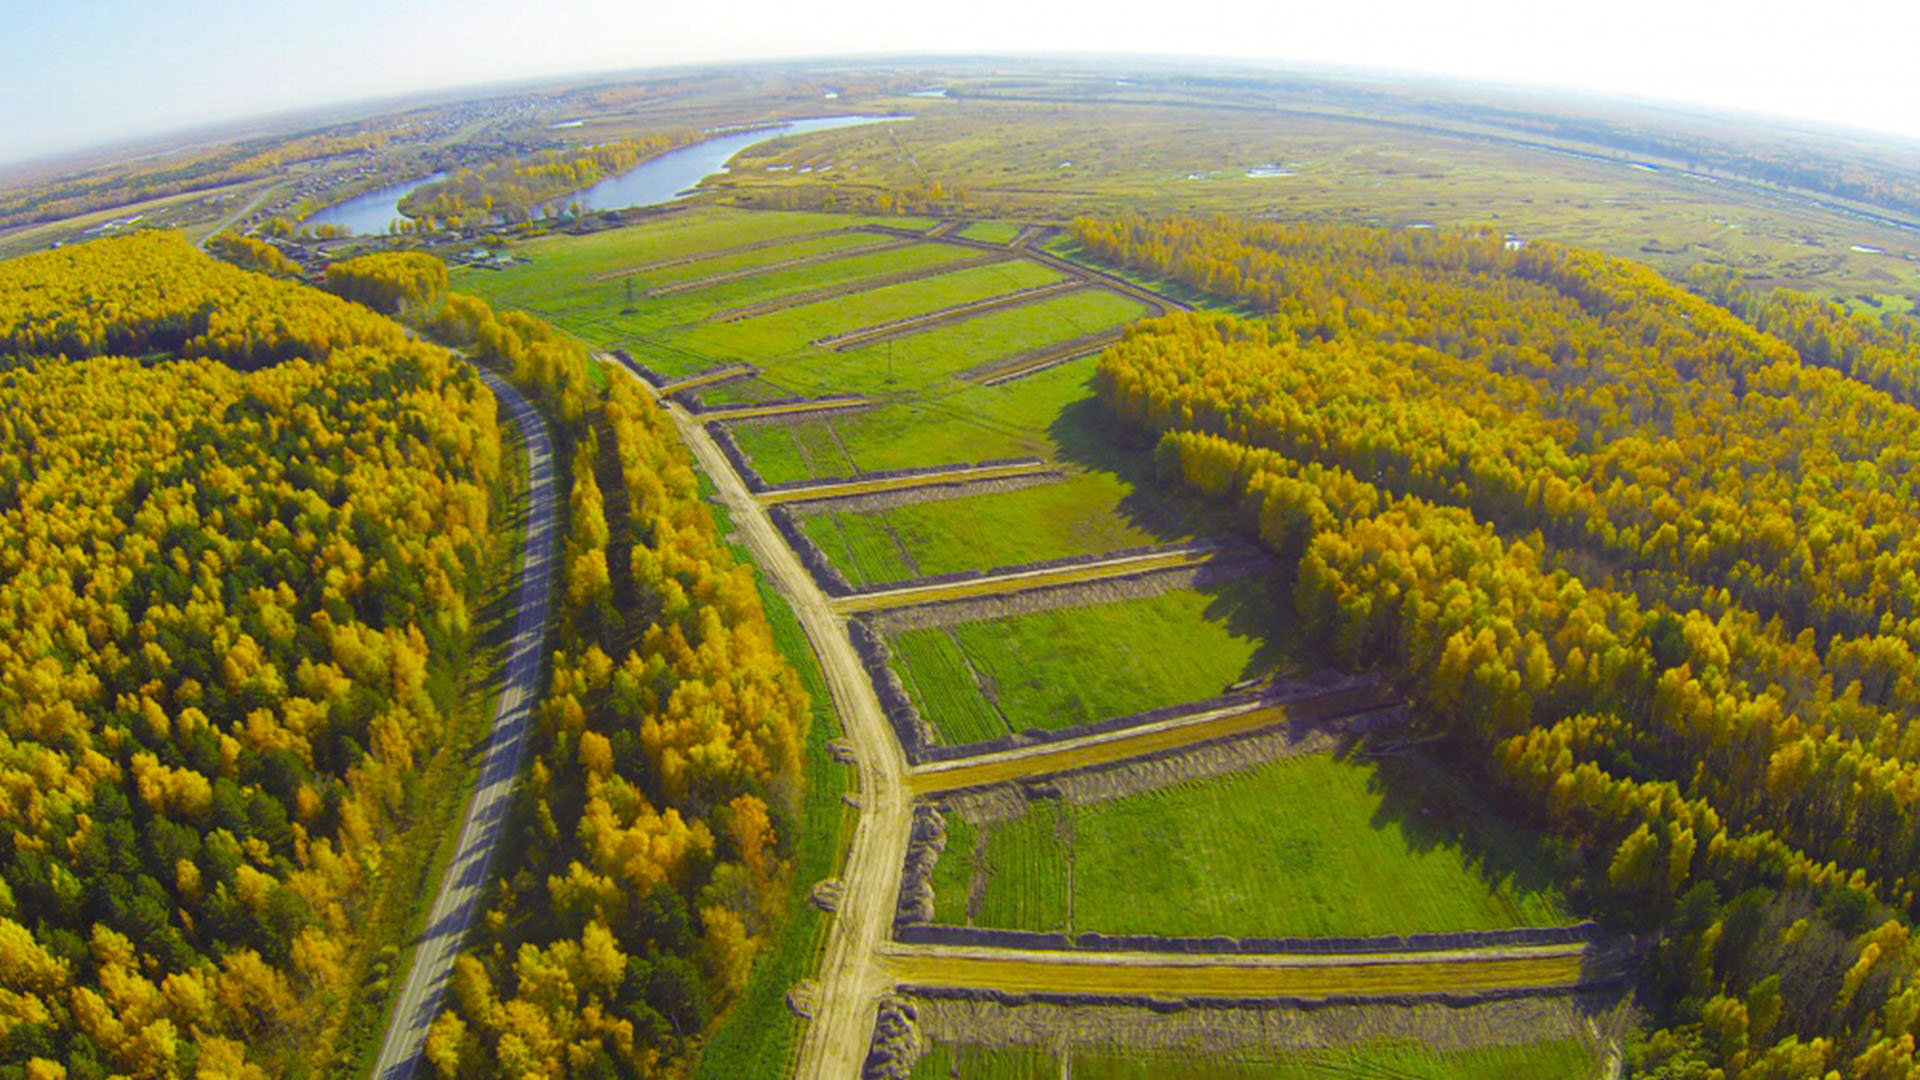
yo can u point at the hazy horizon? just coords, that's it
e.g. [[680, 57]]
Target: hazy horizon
[[237, 63]]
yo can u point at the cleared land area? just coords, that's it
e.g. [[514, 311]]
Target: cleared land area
[[990, 232], [792, 329], [1055, 669], [1014, 581], [781, 408], [1305, 846], [829, 292], [972, 422], [1157, 975], [1084, 514], [1556, 1060], [794, 257]]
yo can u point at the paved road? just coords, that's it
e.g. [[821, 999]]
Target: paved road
[[453, 908], [851, 979]]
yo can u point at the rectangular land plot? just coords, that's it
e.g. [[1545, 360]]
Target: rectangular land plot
[[970, 424], [1084, 514], [1055, 669], [793, 329], [1307, 846], [991, 232], [1564, 1059], [932, 356]]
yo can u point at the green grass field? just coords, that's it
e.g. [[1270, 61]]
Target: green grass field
[[861, 545], [1307, 846], [792, 329], [1055, 669], [1556, 1060], [972, 423], [992, 232], [1084, 514]]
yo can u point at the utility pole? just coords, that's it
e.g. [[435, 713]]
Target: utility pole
[[628, 310], [889, 361]]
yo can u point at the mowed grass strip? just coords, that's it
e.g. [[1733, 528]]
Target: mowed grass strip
[[1025, 580], [749, 412], [1000, 768], [1557, 1059], [1307, 846], [971, 423], [1309, 978], [958, 474], [792, 329]]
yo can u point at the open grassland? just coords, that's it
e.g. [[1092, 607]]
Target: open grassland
[[968, 424], [1055, 669], [1307, 846], [1085, 514], [1156, 156], [1029, 887], [1305, 978], [680, 275], [953, 878], [792, 329], [1564, 1059]]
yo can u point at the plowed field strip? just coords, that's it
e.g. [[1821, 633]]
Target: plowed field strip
[[841, 489], [881, 281], [1554, 967], [785, 408], [718, 253], [780, 264], [708, 378], [1042, 359], [917, 323], [1019, 581], [1108, 747]]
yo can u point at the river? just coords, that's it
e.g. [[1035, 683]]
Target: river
[[669, 176]]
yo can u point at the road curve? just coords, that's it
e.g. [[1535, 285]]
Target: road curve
[[466, 875], [850, 978]]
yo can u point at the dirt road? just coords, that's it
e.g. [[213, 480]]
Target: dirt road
[[850, 979], [460, 889]]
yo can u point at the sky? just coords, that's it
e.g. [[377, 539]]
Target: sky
[[76, 73]]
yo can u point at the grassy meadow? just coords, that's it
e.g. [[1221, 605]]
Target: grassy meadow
[[1054, 669], [1307, 846]]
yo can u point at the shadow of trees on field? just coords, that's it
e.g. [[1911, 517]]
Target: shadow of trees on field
[[1431, 808], [1254, 604]]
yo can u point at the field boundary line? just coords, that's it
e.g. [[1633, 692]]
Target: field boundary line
[[853, 486], [795, 263], [1021, 579], [780, 408], [720, 253], [1160, 737], [851, 288], [972, 309]]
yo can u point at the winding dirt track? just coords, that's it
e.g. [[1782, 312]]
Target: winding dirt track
[[850, 980], [460, 889]]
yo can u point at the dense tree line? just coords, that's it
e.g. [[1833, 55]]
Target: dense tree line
[[1650, 567], [655, 821], [514, 189], [234, 609], [249, 253]]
